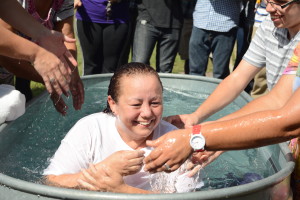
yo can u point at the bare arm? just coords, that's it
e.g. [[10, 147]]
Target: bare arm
[[119, 164], [275, 99], [224, 94], [277, 124], [227, 90], [36, 29], [259, 128], [56, 76]]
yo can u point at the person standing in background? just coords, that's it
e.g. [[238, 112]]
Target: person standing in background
[[102, 27], [188, 8], [158, 23], [214, 31], [260, 80], [244, 34]]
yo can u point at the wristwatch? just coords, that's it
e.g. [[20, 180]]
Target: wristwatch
[[197, 140]]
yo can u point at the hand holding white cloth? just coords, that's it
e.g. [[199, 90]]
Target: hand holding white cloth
[[12, 103]]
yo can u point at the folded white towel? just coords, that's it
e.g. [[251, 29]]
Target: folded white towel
[[12, 103]]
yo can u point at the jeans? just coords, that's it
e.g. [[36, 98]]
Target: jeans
[[220, 44], [145, 38]]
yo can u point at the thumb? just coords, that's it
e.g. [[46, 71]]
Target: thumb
[[153, 143], [188, 124], [68, 39]]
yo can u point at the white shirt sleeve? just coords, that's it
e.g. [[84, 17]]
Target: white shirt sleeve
[[75, 152]]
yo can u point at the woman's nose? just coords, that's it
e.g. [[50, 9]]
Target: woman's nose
[[146, 111]]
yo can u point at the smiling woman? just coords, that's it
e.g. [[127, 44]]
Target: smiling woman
[[110, 145]]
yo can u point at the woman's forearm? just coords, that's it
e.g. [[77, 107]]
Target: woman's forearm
[[64, 180]]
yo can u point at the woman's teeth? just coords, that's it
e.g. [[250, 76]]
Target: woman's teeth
[[144, 123]]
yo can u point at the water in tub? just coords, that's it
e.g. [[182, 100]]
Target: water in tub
[[41, 129]]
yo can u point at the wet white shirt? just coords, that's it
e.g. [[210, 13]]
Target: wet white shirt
[[94, 138]]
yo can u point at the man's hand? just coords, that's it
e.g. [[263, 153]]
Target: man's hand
[[171, 150], [183, 121], [77, 90]]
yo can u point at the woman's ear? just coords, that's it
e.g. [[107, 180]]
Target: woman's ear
[[112, 104]]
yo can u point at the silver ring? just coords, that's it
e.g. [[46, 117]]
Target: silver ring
[[167, 167], [52, 80]]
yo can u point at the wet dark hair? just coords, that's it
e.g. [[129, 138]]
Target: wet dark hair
[[130, 69]]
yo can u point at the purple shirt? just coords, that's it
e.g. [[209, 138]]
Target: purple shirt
[[95, 11]]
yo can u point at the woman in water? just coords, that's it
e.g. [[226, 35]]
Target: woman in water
[[110, 145]]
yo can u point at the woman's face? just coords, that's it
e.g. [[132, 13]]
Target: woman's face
[[139, 107], [287, 17]]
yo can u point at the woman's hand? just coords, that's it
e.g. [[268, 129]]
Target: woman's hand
[[55, 71], [124, 162], [171, 150], [102, 178]]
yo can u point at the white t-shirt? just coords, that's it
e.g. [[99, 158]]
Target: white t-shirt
[[94, 138]]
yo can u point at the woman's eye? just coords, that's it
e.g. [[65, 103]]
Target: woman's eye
[[156, 103], [136, 105]]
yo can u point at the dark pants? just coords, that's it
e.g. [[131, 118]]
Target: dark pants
[[23, 85], [220, 44], [146, 36], [101, 46]]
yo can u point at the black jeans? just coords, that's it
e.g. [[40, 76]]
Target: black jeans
[[101, 46]]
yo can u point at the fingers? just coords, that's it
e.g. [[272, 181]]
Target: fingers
[[47, 85], [194, 171], [168, 168], [68, 39], [86, 185], [135, 154], [65, 69], [77, 91], [70, 58], [154, 161], [175, 120], [59, 104], [89, 181], [190, 166]]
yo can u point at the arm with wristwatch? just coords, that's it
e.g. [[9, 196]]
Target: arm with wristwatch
[[273, 123]]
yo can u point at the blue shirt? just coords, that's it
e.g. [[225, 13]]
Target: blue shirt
[[217, 15]]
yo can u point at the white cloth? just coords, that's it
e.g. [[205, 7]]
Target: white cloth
[[12, 103], [94, 138]]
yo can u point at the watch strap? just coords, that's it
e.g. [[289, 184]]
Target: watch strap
[[196, 129]]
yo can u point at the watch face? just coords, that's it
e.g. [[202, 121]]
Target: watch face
[[197, 142]]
